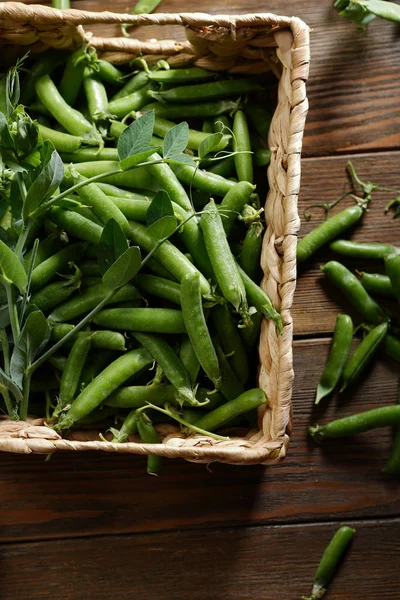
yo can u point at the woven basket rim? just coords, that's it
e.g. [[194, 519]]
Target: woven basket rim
[[270, 448]]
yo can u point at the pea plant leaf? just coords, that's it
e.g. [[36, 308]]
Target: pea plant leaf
[[160, 218], [34, 336], [159, 207], [11, 269], [113, 244], [163, 228], [123, 269], [183, 159], [209, 144], [176, 140], [134, 144], [7, 382], [48, 177], [16, 201]]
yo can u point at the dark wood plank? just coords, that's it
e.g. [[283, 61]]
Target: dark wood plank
[[234, 564], [317, 303], [85, 494], [354, 80]]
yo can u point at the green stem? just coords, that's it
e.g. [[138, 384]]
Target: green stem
[[26, 385], [30, 270], [6, 350], [12, 308], [19, 248], [174, 415], [32, 368]]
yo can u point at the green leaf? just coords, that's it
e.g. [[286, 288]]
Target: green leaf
[[113, 244], [34, 337], [163, 228], [10, 385], [159, 207], [136, 138], [183, 159], [176, 140], [49, 176], [11, 269], [209, 144], [135, 159], [124, 268], [6, 141]]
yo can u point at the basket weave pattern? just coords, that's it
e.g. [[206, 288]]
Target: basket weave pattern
[[249, 44]]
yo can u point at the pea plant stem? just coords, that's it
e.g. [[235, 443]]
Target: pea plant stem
[[12, 308], [32, 368]]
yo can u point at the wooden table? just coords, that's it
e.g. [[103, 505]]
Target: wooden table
[[89, 527]]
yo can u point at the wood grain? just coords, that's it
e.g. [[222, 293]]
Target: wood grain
[[256, 562], [354, 82], [317, 302], [87, 494]]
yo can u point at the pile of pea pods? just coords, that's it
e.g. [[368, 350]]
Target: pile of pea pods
[[364, 291], [178, 343]]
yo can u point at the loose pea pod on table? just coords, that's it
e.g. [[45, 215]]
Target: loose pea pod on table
[[393, 463], [363, 355], [340, 348], [329, 561], [392, 265]]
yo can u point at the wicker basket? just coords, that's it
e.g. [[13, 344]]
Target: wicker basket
[[249, 44]]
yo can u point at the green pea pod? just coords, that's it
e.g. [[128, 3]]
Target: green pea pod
[[102, 206], [392, 265], [116, 192], [196, 326], [169, 362], [203, 180], [242, 145], [339, 352], [377, 284], [168, 255], [222, 261], [139, 395], [76, 225], [105, 340], [134, 84], [189, 359], [158, 269], [222, 415], [72, 120], [88, 299], [393, 464], [109, 73], [44, 65], [330, 559], [230, 386], [71, 376], [230, 341], [129, 427], [195, 110], [260, 300], [391, 346], [57, 263], [113, 376], [249, 258], [95, 365], [386, 416], [121, 107], [149, 435], [352, 288], [259, 119], [151, 320], [96, 96], [362, 249], [327, 231], [55, 293], [191, 74], [63, 142], [234, 202], [49, 246], [162, 126], [224, 167], [262, 157], [208, 91], [363, 355], [72, 78], [160, 287]]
